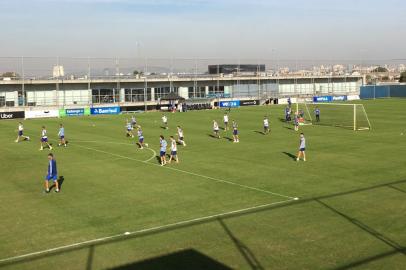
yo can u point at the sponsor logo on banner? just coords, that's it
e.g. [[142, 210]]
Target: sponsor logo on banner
[[74, 112], [105, 110], [339, 98], [11, 115], [221, 95], [230, 104], [323, 99], [249, 102], [41, 114]]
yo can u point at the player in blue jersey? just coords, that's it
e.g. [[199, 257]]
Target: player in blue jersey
[[52, 173], [21, 133], [129, 130], [61, 135], [302, 148], [317, 113], [235, 132], [288, 112], [174, 151], [44, 139], [141, 138], [162, 151]]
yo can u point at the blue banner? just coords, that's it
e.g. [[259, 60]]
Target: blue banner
[[323, 99], [105, 110], [339, 98], [329, 98], [230, 104], [74, 112]]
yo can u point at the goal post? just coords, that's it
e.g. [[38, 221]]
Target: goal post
[[344, 115]]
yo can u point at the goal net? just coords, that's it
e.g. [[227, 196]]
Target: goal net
[[351, 116]]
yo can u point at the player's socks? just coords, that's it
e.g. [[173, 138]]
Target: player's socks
[[297, 159], [304, 159], [57, 190], [16, 140], [47, 190]]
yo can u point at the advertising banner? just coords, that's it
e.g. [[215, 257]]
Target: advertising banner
[[105, 110], [41, 114], [11, 115], [249, 102], [329, 98], [323, 99], [230, 104]]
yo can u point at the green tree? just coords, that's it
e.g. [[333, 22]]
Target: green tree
[[402, 77], [380, 69]]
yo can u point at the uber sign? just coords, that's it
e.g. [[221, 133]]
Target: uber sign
[[11, 115]]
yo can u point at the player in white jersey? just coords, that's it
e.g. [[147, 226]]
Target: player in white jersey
[[133, 121], [225, 118], [181, 138], [141, 138], [165, 121], [162, 150], [21, 133], [266, 125], [302, 148], [44, 139], [174, 151], [61, 135], [129, 128], [216, 129]]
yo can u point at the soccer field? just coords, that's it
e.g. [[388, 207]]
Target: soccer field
[[224, 206]]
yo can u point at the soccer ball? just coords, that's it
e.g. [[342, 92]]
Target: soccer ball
[[146, 145]]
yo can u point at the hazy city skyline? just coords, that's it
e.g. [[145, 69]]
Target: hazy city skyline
[[292, 29]]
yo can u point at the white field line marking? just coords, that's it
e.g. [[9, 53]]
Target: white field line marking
[[191, 173], [142, 231], [152, 150]]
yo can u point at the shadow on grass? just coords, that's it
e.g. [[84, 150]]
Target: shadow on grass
[[184, 259], [213, 136], [61, 179], [260, 132], [397, 249], [229, 139], [292, 156]]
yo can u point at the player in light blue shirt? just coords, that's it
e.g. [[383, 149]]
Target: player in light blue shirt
[[141, 138], [162, 153], [302, 148], [61, 135]]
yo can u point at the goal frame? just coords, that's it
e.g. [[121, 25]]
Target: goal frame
[[354, 108]]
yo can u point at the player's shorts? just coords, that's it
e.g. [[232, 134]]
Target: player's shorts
[[181, 138], [302, 149], [216, 130], [162, 153], [44, 139], [51, 177], [235, 132], [129, 129], [225, 123], [20, 133], [62, 137], [141, 140], [266, 127], [174, 153]]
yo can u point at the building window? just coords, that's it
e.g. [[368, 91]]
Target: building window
[[161, 92], [137, 95], [216, 90], [105, 95], [197, 92]]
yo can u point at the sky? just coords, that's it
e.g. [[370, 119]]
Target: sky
[[255, 29]]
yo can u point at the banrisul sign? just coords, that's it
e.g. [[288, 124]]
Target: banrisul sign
[[74, 112], [11, 115], [105, 110]]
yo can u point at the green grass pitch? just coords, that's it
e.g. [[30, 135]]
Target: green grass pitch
[[224, 206]]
